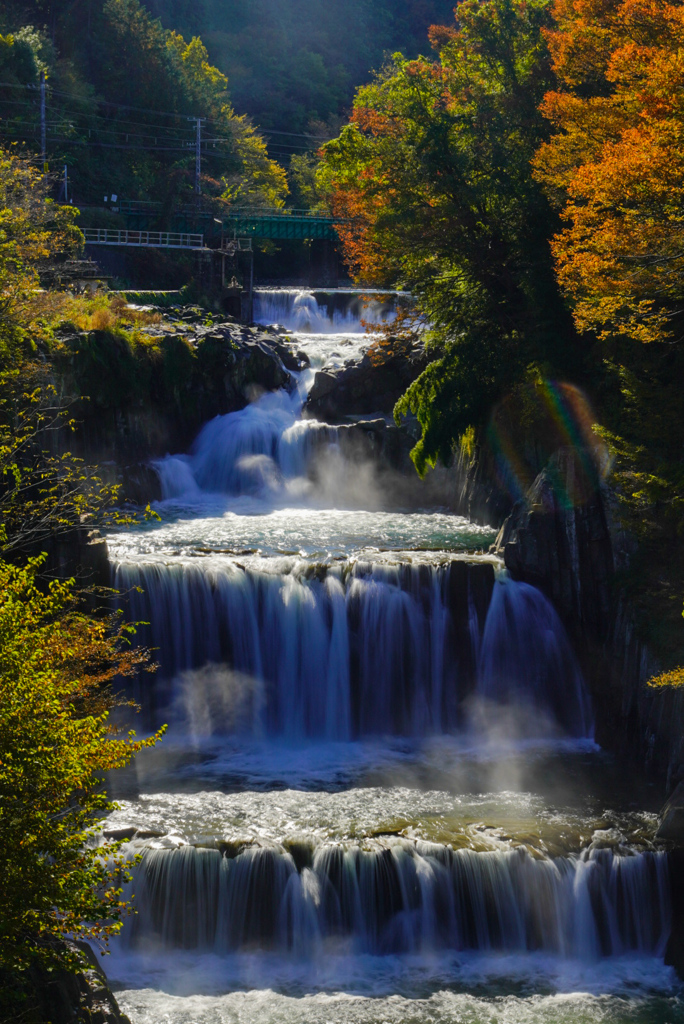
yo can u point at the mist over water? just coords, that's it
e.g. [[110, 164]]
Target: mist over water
[[379, 798]]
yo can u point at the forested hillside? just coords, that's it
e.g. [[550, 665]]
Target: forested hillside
[[124, 80], [120, 94], [291, 63]]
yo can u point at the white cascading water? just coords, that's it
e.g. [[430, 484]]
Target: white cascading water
[[323, 661], [402, 897], [304, 311], [361, 649], [256, 450]]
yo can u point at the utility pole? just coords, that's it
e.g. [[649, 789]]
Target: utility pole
[[199, 121], [43, 126]]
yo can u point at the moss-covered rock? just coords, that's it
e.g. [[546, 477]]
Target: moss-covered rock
[[140, 392]]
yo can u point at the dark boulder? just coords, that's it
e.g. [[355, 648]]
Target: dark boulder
[[558, 539], [370, 385], [140, 401], [672, 818], [561, 539], [674, 953]]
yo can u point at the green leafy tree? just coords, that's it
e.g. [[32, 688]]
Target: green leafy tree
[[56, 741], [35, 233], [434, 175]]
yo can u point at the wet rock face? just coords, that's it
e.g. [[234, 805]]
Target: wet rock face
[[365, 386], [674, 953], [672, 818], [560, 538]]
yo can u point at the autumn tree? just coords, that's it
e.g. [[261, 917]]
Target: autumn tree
[[616, 164], [434, 179], [615, 170]]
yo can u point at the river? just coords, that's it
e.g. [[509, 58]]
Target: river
[[379, 799]]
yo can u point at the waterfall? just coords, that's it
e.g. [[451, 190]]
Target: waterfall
[[526, 657], [358, 649], [256, 450], [331, 312], [399, 896]]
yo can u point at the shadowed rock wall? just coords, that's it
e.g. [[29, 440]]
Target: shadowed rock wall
[[563, 539]]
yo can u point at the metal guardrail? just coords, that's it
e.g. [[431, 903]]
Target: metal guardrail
[[143, 239]]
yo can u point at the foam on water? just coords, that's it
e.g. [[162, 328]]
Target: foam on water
[[486, 820], [245, 526], [464, 988]]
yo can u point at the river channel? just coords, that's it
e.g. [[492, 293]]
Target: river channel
[[380, 798]]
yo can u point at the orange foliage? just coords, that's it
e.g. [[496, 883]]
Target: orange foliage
[[617, 163]]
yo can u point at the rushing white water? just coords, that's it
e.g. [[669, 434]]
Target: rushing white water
[[398, 896], [355, 649], [424, 991], [372, 803], [332, 312], [259, 533]]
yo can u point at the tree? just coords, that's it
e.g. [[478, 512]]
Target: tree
[[118, 83], [56, 741], [284, 77], [615, 163], [34, 233], [614, 168], [434, 176], [44, 490]]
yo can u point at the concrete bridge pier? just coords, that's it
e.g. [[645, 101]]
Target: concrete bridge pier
[[324, 269]]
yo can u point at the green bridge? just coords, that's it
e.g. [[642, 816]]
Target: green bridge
[[280, 224], [240, 222]]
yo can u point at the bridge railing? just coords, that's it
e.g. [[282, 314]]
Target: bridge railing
[[235, 212], [143, 239]]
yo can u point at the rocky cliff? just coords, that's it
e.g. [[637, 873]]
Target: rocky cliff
[[133, 403], [564, 539], [39, 996]]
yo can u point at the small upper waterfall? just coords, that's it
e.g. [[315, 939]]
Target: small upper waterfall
[[257, 450], [322, 312]]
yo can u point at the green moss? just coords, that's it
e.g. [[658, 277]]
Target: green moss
[[178, 365], [163, 299], [105, 368]]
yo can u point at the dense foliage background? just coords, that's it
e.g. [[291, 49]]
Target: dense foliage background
[[526, 185], [294, 63]]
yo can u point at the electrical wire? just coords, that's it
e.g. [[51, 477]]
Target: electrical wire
[[161, 113]]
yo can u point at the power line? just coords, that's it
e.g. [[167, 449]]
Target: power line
[[208, 146], [162, 113]]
